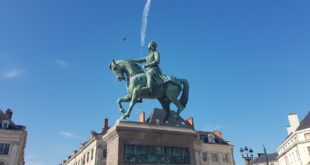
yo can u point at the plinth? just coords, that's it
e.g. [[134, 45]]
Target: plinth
[[136, 143]]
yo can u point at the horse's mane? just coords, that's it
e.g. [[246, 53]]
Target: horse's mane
[[135, 66]]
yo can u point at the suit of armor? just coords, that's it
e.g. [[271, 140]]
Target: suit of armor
[[152, 69]]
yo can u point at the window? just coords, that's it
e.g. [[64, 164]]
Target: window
[[226, 157], [92, 154], [307, 136], [4, 149], [215, 157], [204, 138], [293, 155], [308, 150], [104, 153], [286, 159], [87, 157], [205, 156], [297, 155], [211, 138], [5, 124]]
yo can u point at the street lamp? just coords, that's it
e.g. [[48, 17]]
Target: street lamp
[[247, 154]]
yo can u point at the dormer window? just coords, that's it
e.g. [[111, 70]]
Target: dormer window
[[5, 124], [211, 138]]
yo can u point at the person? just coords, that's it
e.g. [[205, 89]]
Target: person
[[152, 69]]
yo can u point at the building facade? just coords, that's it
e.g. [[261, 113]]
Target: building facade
[[211, 149], [295, 150], [12, 140], [91, 152], [262, 159]]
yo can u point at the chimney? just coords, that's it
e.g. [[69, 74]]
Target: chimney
[[294, 122], [106, 124], [142, 117], [218, 134], [289, 130], [190, 121], [9, 113]]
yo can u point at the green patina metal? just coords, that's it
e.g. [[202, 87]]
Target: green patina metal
[[152, 70], [156, 154], [149, 83]]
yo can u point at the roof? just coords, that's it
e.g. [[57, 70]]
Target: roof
[[271, 157], [305, 123], [12, 125], [203, 135]]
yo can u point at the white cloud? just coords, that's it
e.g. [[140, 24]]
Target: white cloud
[[69, 135], [62, 63], [144, 20], [12, 73], [9, 68]]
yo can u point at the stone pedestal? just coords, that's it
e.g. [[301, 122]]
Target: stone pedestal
[[136, 143]]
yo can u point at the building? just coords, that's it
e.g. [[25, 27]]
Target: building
[[295, 150], [211, 149], [12, 140], [262, 159], [91, 152]]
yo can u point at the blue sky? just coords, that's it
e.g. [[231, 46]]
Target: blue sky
[[247, 63]]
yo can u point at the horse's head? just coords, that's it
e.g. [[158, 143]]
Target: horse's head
[[117, 70]]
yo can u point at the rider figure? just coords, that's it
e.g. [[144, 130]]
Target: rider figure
[[152, 70]]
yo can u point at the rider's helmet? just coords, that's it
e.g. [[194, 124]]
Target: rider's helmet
[[152, 45]]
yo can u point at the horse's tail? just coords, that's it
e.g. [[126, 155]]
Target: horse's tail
[[184, 97]]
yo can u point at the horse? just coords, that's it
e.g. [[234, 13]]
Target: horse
[[166, 92]]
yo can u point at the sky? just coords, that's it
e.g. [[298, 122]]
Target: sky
[[247, 63]]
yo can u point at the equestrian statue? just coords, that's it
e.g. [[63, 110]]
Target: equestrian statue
[[149, 83]]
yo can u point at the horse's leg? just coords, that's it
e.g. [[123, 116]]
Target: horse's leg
[[172, 94], [135, 95], [165, 103], [123, 99]]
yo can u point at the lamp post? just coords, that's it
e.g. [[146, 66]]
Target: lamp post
[[265, 152], [247, 155]]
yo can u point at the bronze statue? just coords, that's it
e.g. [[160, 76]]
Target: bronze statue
[[141, 84], [152, 70]]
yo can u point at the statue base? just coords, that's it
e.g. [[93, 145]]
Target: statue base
[[159, 117], [136, 143]]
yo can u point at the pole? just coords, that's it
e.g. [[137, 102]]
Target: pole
[[265, 152]]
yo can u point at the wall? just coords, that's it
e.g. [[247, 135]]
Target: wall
[[17, 141]]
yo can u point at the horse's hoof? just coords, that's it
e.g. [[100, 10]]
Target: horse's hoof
[[127, 115], [122, 111]]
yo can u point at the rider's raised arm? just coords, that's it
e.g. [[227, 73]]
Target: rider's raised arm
[[140, 60], [156, 60]]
